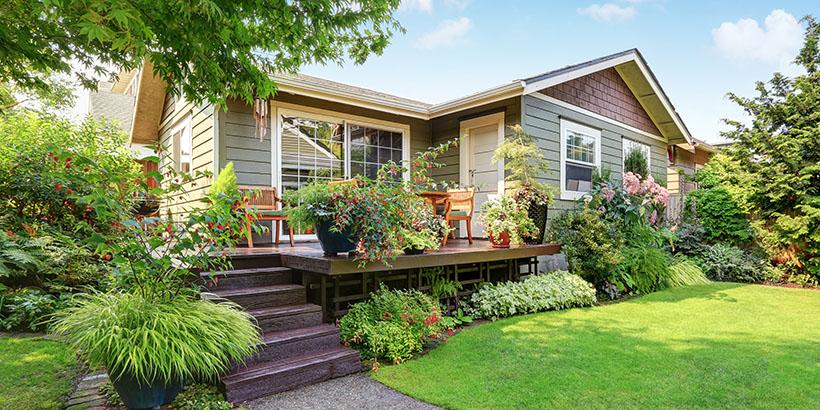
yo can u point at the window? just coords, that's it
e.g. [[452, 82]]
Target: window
[[630, 146], [315, 147], [580, 157], [183, 146]]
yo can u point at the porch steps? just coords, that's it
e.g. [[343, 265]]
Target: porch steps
[[297, 348]]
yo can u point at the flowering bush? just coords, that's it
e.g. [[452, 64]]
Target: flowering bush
[[392, 324], [634, 201], [506, 215]]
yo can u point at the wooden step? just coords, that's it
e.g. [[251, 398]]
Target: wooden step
[[246, 278], [262, 260], [291, 373], [265, 296], [282, 344], [287, 317]]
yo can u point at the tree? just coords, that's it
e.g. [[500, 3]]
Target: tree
[[210, 49], [781, 148]]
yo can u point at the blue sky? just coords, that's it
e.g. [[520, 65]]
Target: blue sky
[[698, 50]]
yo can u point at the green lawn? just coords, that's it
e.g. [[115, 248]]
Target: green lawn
[[35, 373], [715, 346]]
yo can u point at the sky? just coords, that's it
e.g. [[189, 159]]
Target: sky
[[698, 50]]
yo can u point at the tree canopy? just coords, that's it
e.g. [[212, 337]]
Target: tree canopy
[[780, 148], [209, 49]]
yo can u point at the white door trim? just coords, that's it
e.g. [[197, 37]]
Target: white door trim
[[464, 156]]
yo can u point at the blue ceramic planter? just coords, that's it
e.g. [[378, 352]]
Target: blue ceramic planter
[[139, 395], [333, 242]]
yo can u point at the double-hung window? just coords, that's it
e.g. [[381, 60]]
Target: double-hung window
[[580, 158]]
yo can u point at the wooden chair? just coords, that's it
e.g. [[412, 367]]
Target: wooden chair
[[265, 201], [351, 181], [459, 207]]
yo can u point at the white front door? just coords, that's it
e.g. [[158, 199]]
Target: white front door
[[481, 138]]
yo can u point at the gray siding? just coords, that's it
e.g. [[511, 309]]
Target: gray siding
[[251, 158], [541, 119], [447, 127]]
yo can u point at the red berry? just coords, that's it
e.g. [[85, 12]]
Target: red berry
[[58, 186]]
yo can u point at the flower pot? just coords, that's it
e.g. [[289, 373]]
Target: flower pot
[[502, 241], [334, 242], [136, 394], [413, 251], [538, 213]]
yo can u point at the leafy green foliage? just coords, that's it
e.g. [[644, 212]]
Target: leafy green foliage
[[524, 163], [592, 246], [724, 262], [28, 308], [536, 293], [424, 162], [225, 183], [128, 333], [720, 216], [507, 215], [685, 273], [781, 152], [636, 162], [392, 324], [690, 239], [642, 269], [201, 397], [246, 41]]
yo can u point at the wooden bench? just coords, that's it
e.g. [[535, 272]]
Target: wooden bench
[[265, 202]]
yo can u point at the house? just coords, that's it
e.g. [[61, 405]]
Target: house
[[684, 160], [584, 116]]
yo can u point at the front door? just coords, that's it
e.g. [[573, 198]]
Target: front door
[[482, 138]]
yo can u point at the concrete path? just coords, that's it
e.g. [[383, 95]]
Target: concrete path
[[351, 392]]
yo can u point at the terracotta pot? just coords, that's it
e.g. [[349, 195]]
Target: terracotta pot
[[503, 240]]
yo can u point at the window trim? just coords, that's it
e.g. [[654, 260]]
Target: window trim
[[179, 131], [566, 126], [624, 141]]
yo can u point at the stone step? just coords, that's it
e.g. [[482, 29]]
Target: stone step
[[287, 317], [288, 374], [246, 278], [265, 296], [283, 344]]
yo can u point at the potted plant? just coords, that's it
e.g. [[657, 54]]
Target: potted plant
[[424, 229], [525, 163], [313, 207], [152, 331], [417, 241], [506, 221]]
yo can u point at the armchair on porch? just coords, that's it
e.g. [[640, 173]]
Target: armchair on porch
[[459, 207], [265, 201]]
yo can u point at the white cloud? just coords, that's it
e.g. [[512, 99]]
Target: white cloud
[[608, 12], [447, 34], [776, 42], [417, 5]]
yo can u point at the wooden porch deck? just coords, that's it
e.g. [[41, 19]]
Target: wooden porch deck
[[308, 256]]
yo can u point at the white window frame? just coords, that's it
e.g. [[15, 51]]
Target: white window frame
[[628, 145], [182, 131], [281, 109], [567, 126]]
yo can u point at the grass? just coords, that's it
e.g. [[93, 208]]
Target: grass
[[719, 345], [35, 373]]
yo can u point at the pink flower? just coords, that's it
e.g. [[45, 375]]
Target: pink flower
[[608, 193], [632, 183], [654, 217]]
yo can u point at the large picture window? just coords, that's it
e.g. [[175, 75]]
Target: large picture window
[[327, 148], [630, 146], [580, 157]]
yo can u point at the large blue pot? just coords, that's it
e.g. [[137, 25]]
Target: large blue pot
[[334, 242], [137, 394]]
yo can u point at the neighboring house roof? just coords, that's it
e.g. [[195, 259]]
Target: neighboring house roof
[[630, 64], [107, 104]]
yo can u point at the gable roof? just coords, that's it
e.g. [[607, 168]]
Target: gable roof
[[105, 103], [630, 64]]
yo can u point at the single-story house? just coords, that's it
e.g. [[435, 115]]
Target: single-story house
[[584, 117]]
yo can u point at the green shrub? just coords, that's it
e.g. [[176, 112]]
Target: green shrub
[[392, 324], [691, 239], [719, 214], [149, 339], [724, 262], [225, 183], [642, 269], [684, 273], [591, 245], [537, 293], [201, 397], [28, 308], [636, 162]]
